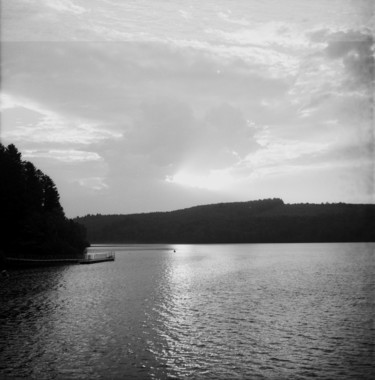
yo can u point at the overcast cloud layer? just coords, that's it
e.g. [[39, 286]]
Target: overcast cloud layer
[[136, 106]]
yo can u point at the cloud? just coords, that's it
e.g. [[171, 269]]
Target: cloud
[[354, 49], [106, 80], [94, 183], [152, 109], [62, 155], [151, 106], [65, 6], [166, 101], [167, 137]]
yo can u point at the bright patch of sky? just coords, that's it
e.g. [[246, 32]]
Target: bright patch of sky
[[136, 106]]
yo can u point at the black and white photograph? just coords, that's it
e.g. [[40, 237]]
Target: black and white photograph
[[187, 189]]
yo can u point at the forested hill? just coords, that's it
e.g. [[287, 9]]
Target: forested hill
[[33, 223], [262, 221]]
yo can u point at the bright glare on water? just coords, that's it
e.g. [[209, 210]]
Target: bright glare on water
[[271, 311]]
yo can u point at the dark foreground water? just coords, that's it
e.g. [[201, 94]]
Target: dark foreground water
[[273, 311]]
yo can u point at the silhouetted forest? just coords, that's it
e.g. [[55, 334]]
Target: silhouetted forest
[[33, 223], [262, 221]]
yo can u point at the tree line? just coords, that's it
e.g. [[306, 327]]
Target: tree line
[[261, 221], [33, 221]]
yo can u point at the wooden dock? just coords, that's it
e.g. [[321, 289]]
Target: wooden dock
[[92, 258], [13, 262]]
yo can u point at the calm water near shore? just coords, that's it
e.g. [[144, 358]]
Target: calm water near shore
[[272, 311]]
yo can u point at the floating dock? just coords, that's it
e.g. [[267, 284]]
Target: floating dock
[[13, 262], [89, 258], [92, 258]]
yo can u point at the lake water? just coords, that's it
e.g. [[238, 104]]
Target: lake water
[[271, 311]]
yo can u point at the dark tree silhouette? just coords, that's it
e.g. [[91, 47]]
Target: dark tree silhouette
[[51, 197], [32, 219], [262, 221]]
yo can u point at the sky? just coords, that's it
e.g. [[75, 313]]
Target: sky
[[138, 106]]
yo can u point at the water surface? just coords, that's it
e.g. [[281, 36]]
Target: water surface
[[282, 311]]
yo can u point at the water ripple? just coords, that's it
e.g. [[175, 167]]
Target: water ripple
[[235, 311]]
